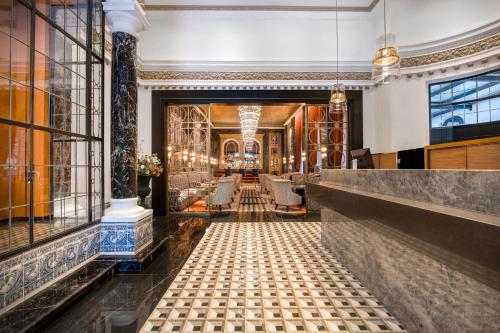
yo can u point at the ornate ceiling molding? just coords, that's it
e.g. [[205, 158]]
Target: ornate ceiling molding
[[253, 76], [452, 54], [407, 63]]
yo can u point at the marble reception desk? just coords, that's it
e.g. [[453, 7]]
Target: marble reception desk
[[427, 242]]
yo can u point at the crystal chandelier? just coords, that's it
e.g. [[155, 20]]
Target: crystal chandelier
[[249, 119], [386, 64], [338, 99]]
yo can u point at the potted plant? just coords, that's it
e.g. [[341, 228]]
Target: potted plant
[[148, 166]]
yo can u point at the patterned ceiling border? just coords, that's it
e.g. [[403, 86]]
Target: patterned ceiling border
[[451, 54], [254, 76]]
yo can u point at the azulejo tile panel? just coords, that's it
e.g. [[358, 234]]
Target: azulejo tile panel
[[267, 277], [126, 238], [29, 272]]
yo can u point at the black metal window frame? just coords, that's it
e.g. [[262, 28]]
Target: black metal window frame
[[443, 134], [88, 138]]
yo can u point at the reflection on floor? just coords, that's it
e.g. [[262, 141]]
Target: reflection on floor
[[123, 303], [266, 277], [251, 200]]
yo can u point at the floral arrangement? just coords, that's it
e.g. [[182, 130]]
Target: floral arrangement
[[150, 165]]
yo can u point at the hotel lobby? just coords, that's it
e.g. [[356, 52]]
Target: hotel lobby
[[262, 166]]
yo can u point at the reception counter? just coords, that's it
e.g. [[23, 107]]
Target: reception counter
[[427, 242]]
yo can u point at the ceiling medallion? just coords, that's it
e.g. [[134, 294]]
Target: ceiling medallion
[[386, 64], [338, 99]]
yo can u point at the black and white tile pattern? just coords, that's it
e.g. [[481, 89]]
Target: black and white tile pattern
[[267, 277]]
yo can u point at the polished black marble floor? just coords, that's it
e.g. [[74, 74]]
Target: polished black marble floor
[[124, 302]]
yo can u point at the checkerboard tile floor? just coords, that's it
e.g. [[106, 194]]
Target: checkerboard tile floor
[[267, 277]]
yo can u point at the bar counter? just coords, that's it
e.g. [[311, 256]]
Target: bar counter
[[427, 242]]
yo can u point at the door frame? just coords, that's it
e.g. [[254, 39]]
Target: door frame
[[162, 98]]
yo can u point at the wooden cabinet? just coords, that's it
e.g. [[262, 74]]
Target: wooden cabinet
[[470, 154], [385, 161]]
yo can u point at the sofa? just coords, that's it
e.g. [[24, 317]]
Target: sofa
[[184, 189]]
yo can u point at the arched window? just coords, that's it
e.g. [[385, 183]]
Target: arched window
[[231, 148], [253, 149]]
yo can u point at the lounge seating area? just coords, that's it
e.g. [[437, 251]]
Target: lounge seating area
[[194, 191]]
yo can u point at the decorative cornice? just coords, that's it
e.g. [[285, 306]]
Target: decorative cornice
[[253, 76], [451, 42], [321, 75], [452, 54], [268, 8]]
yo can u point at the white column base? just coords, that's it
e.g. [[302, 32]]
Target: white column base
[[126, 228], [125, 210]]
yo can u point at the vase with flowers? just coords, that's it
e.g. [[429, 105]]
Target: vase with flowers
[[148, 166]]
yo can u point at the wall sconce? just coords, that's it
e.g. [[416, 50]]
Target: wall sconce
[[284, 160], [169, 152], [323, 152], [303, 156], [185, 154]]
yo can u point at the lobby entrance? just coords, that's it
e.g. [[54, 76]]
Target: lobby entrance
[[213, 166]]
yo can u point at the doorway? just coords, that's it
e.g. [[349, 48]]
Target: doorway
[[207, 149]]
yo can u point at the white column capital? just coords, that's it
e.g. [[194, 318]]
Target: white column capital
[[126, 16]]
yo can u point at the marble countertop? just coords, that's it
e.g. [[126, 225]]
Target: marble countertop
[[453, 211]]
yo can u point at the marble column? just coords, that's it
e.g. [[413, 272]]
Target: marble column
[[123, 117], [126, 228]]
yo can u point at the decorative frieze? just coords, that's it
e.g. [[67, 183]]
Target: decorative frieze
[[452, 54], [253, 76]]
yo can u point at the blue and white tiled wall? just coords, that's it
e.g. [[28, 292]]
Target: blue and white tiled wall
[[126, 238], [27, 273]]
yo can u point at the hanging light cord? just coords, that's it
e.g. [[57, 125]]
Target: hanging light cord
[[337, 30], [385, 28]]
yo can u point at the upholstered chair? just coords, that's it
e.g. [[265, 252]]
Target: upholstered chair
[[223, 193], [283, 195], [237, 181], [269, 185], [298, 179], [262, 180]]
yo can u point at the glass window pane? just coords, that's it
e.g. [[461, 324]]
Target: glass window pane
[[22, 22], [495, 103], [483, 117], [4, 55], [483, 105], [5, 16], [20, 102], [495, 115], [4, 99], [20, 69], [470, 86]]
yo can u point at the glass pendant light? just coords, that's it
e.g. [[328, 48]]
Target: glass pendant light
[[386, 64], [338, 98]]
